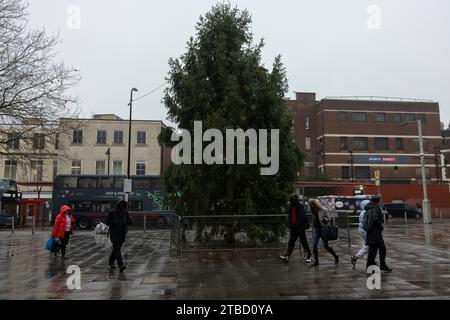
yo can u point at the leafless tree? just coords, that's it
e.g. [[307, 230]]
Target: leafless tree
[[34, 87]]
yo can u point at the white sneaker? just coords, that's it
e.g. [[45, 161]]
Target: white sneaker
[[285, 258], [308, 259]]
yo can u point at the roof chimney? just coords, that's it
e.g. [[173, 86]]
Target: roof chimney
[[306, 98]]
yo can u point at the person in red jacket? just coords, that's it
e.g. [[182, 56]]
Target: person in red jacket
[[63, 228]]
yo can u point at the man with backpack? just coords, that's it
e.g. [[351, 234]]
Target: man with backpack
[[373, 225], [298, 224]]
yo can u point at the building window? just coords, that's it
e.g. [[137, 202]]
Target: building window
[[397, 117], [408, 117], [101, 137], [381, 144], [344, 144], [309, 164], [307, 123], [380, 117], [399, 144], [100, 167], [38, 141], [342, 116], [345, 172], [362, 173], [37, 168], [13, 141], [10, 169], [117, 167], [141, 137], [360, 144], [118, 137], [359, 116], [55, 168], [421, 117], [76, 167], [140, 168], [308, 143], [77, 137]]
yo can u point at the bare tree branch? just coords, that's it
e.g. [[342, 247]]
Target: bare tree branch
[[34, 86]]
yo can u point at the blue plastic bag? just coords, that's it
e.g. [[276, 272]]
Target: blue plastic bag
[[49, 245]]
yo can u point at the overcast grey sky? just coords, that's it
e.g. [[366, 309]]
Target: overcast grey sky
[[397, 48]]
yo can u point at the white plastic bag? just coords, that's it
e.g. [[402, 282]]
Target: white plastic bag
[[101, 228]]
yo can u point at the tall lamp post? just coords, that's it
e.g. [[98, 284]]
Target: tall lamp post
[[108, 153], [352, 171], [129, 131], [426, 208]]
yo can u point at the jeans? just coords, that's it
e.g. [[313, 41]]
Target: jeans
[[317, 237], [294, 235]]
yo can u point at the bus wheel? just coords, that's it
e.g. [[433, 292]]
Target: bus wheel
[[84, 223]]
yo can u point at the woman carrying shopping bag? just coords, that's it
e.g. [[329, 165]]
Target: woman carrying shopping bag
[[321, 219], [62, 230]]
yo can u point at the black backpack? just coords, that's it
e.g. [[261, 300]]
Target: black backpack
[[368, 219]]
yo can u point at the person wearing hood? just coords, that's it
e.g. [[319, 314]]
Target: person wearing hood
[[365, 248], [373, 225], [63, 229], [298, 223], [320, 219], [118, 221]]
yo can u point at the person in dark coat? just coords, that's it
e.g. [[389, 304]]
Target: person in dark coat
[[118, 221], [374, 237], [298, 223]]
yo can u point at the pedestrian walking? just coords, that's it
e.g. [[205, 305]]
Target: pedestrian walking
[[298, 224], [62, 230], [320, 219], [365, 248], [373, 225], [118, 221]]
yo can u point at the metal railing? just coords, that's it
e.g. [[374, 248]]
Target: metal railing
[[377, 98], [241, 232]]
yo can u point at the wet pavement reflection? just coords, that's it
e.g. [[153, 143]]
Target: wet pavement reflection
[[419, 255]]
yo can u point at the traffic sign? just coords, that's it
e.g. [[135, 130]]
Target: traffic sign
[[127, 183]]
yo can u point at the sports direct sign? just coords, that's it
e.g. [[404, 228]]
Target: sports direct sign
[[381, 159]]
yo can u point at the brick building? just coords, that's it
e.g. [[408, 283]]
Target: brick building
[[348, 139]]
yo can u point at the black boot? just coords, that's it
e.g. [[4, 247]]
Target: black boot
[[316, 257], [335, 256]]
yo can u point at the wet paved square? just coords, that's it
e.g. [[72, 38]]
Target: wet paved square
[[419, 255]]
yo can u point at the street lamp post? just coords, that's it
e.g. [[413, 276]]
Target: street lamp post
[[352, 173], [108, 153], [129, 131], [129, 140], [426, 208]]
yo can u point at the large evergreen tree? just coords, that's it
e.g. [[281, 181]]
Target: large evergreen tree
[[222, 82]]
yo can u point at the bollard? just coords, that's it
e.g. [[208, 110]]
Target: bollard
[[32, 230], [12, 224], [145, 222], [406, 219], [348, 231]]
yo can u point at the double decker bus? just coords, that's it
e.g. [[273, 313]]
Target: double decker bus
[[92, 197], [9, 197]]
